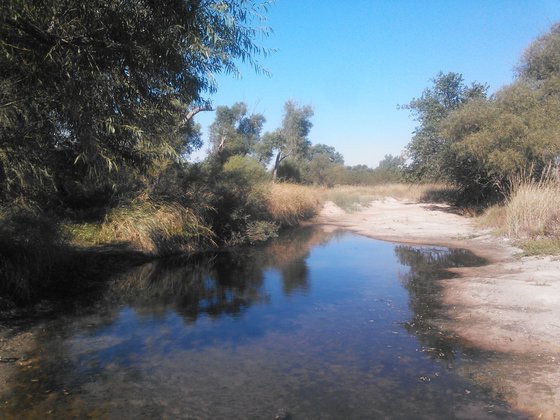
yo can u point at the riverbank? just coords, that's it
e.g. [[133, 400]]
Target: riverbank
[[510, 306]]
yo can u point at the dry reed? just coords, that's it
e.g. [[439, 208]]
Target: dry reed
[[288, 204], [157, 228], [533, 210]]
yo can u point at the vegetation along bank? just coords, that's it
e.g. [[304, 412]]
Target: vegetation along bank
[[98, 112]]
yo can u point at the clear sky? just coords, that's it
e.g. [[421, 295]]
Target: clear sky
[[355, 61]]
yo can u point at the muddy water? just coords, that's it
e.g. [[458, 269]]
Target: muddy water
[[313, 325]]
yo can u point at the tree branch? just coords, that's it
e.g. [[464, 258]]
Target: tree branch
[[195, 111]]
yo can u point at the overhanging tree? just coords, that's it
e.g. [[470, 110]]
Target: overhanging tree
[[100, 94]]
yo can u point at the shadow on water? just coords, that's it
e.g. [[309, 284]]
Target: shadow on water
[[296, 328], [427, 265]]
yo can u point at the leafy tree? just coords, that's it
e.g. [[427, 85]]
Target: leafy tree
[[99, 95], [290, 140], [234, 131], [355, 175], [390, 169], [541, 61], [428, 150], [322, 165], [515, 131]]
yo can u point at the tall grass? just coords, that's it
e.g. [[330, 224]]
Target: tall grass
[[288, 204], [533, 210], [530, 215], [155, 228]]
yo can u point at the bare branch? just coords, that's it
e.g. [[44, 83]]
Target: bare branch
[[195, 111]]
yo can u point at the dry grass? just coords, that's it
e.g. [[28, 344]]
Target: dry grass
[[533, 210], [288, 204], [530, 216], [351, 198], [157, 228], [493, 218]]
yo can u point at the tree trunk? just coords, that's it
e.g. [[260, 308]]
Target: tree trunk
[[276, 166]]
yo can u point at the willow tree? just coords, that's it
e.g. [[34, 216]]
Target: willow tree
[[100, 94]]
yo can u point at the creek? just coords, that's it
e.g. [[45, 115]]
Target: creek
[[311, 325]]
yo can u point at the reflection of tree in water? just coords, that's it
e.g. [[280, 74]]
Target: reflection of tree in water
[[216, 284], [220, 283], [427, 265]]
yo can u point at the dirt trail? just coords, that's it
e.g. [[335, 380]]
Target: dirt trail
[[511, 305]]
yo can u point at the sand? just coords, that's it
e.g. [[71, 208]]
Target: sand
[[510, 306]]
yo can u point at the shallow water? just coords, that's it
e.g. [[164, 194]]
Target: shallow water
[[314, 325]]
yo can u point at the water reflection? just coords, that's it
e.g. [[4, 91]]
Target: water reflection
[[427, 265], [308, 326], [217, 284]]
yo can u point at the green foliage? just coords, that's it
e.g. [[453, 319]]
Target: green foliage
[[514, 132], [289, 171], [541, 61], [97, 100], [235, 132], [96, 94], [355, 175], [290, 140], [236, 193], [261, 230], [480, 143], [322, 165], [543, 246], [244, 172], [429, 150], [390, 170]]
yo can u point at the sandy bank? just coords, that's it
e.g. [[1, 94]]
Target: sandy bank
[[511, 305]]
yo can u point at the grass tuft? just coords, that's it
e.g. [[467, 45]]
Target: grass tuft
[[533, 210], [155, 228], [288, 204], [530, 216], [543, 246]]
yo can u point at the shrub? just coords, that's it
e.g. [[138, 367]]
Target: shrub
[[244, 171]]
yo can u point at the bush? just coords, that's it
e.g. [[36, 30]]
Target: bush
[[244, 171]]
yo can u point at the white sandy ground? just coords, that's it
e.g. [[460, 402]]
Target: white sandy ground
[[511, 305]]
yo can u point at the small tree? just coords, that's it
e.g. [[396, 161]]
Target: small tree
[[235, 132], [290, 140], [321, 165], [428, 150]]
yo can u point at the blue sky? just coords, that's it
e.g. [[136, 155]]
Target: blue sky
[[355, 61]]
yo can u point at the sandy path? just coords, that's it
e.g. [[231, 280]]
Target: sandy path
[[511, 305]]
